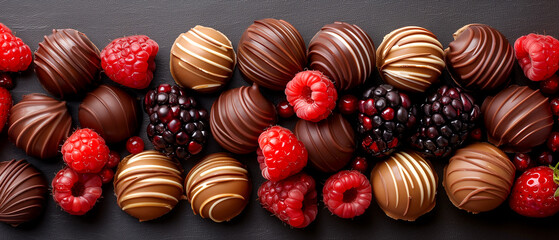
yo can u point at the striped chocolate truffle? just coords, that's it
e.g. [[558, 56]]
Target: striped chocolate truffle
[[202, 59]]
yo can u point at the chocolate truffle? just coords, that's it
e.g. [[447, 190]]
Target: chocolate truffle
[[404, 186], [517, 119], [344, 53], [410, 58], [202, 59], [38, 124], [330, 142], [479, 58], [22, 192], [111, 112], [218, 187], [148, 185], [238, 117], [478, 178], [270, 53]]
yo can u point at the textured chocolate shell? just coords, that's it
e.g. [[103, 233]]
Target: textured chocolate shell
[[410, 58], [238, 117], [22, 192], [202, 59], [517, 119], [478, 178], [330, 142], [38, 124], [218, 187], [270, 53], [344, 53], [111, 112], [148, 185], [479, 58], [405, 186]]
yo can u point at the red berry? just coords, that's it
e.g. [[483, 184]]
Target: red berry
[[85, 151], [553, 141], [550, 85], [293, 200], [545, 158], [534, 193], [312, 95], [130, 60], [4, 29], [280, 153], [348, 104], [106, 175], [15, 55], [114, 159], [6, 81], [538, 55], [522, 162], [76, 192], [5, 106], [347, 194], [359, 164], [476, 134], [555, 106], [285, 110], [135, 145]]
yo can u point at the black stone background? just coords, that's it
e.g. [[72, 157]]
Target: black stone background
[[163, 21]]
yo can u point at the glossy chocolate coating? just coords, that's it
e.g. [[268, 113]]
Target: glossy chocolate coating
[[22, 192], [38, 124], [238, 117], [218, 187], [479, 58], [410, 58], [111, 112], [517, 119], [202, 59], [148, 185], [344, 53], [478, 178], [270, 53], [405, 186], [330, 142]]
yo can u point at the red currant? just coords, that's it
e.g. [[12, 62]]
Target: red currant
[[348, 104], [114, 160], [359, 164], [553, 141], [545, 158], [285, 110], [522, 161], [6, 81], [476, 134], [135, 145], [555, 106], [550, 85], [106, 175]]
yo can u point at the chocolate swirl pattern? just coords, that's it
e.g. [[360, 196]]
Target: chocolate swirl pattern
[[410, 58], [38, 124], [22, 192], [218, 187], [239, 116], [67, 63], [270, 53], [344, 53], [148, 185], [202, 59]]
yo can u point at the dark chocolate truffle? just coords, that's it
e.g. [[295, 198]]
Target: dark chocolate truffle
[[270, 53], [238, 117], [22, 192], [38, 124], [517, 119], [330, 142], [67, 63], [479, 58], [344, 53], [111, 112]]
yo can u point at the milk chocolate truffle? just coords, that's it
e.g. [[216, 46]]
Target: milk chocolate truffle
[[344, 53], [479, 58], [270, 53], [404, 186], [111, 112], [67, 63], [202, 59], [410, 58], [38, 124], [238, 117], [148, 185], [517, 119], [478, 178], [22, 192], [218, 187], [330, 142]]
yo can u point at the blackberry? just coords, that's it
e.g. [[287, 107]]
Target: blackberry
[[177, 126], [384, 115], [448, 116]]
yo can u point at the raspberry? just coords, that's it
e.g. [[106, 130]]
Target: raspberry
[[347, 194], [359, 164], [114, 160], [292, 200], [106, 175], [312, 95], [5, 105], [550, 85], [4, 29], [15, 55], [285, 110], [130, 60], [85, 151], [280, 153], [6, 81], [76, 193], [135, 145], [348, 104], [538, 55]]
